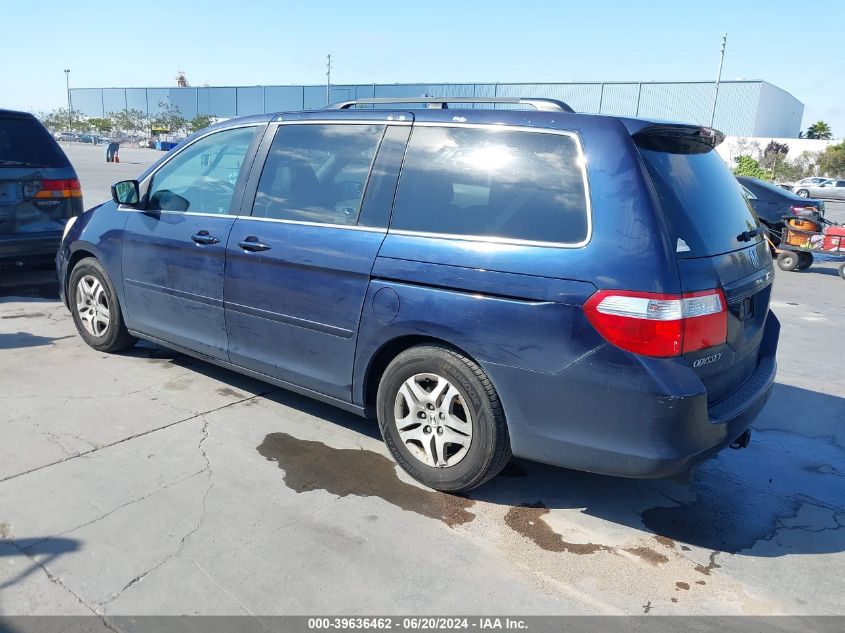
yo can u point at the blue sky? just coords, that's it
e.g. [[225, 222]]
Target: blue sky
[[796, 46]]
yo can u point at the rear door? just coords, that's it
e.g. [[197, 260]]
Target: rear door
[[298, 269], [718, 245], [174, 249]]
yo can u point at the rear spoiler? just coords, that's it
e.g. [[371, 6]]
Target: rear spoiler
[[677, 138]]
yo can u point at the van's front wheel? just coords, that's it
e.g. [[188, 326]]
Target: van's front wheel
[[441, 419], [96, 311]]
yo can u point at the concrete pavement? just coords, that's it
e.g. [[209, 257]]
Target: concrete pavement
[[152, 483]]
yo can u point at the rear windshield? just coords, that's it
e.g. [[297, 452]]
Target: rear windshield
[[25, 142], [702, 201]]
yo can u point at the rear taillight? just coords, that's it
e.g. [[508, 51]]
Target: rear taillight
[[66, 188], [797, 210], [659, 324]]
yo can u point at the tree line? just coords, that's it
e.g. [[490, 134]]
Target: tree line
[[127, 122], [771, 162]]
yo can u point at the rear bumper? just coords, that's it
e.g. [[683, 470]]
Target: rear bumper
[[22, 248], [620, 414]]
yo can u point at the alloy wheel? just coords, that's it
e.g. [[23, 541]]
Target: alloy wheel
[[92, 305], [433, 420]]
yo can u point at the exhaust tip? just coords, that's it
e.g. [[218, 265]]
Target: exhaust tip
[[742, 441]]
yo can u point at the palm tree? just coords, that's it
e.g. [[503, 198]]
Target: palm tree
[[820, 130]]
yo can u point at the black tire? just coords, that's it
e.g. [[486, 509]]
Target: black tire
[[788, 260], [489, 449], [803, 193], [805, 260], [115, 336], [842, 270]]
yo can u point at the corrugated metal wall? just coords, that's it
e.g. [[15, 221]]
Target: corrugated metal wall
[[740, 103]]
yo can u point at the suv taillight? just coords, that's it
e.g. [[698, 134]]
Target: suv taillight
[[66, 188], [663, 325]]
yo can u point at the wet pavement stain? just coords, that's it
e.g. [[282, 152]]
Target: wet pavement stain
[[682, 585], [723, 517], [227, 391], [700, 582], [665, 541], [180, 383], [710, 566], [527, 520], [310, 465], [648, 555]]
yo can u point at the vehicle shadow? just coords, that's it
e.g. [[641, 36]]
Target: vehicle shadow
[[161, 355], [790, 479], [30, 283]]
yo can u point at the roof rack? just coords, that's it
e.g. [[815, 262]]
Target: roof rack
[[546, 105]]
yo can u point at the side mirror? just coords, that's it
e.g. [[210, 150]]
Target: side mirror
[[126, 192]]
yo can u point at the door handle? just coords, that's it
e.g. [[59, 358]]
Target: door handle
[[204, 238], [252, 245]]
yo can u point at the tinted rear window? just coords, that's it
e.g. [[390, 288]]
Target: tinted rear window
[[702, 201], [493, 183], [25, 140]]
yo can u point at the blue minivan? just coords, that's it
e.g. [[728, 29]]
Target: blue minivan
[[581, 290]]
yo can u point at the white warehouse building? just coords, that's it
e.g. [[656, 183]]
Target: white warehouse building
[[743, 108]]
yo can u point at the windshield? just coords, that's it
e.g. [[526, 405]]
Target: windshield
[[703, 203], [24, 142]]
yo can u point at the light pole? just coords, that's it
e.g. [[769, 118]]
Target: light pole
[[718, 80], [69, 106], [328, 79]]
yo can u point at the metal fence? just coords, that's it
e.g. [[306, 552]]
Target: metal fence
[[738, 110]]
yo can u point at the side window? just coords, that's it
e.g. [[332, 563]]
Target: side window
[[202, 177], [492, 183], [317, 172]]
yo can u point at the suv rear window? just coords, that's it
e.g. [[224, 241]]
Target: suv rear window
[[493, 183], [702, 201], [25, 142]]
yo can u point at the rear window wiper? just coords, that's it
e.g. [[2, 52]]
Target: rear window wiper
[[747, 236]]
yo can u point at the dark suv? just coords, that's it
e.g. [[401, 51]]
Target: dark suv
[[39, 191], [582, 290]]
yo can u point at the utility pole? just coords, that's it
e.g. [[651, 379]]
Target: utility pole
[[328, 79], [718, 80], [69, 105]]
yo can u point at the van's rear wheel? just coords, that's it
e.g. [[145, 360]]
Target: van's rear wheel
[[441, 419], [788, 260]]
